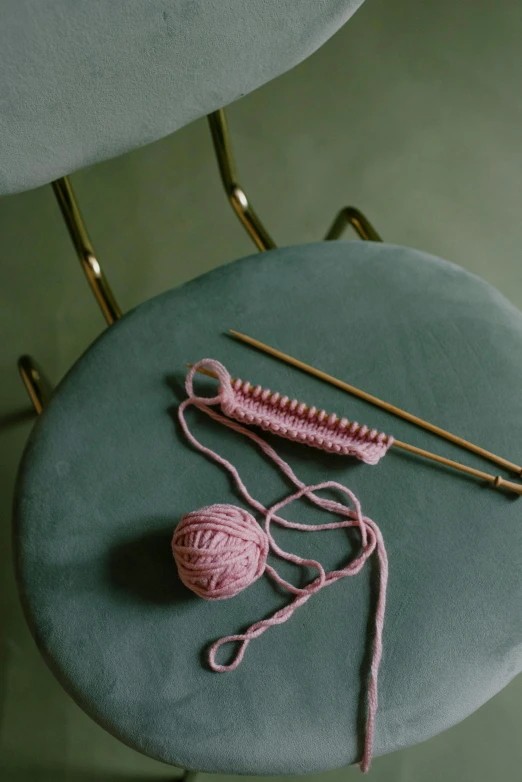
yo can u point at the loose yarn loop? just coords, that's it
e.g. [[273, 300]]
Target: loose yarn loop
[[215, 570], [219, 550]]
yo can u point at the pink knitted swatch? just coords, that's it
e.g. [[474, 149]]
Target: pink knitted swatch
[[295, 421], [196, 546]]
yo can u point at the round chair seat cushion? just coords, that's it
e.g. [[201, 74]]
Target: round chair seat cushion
[[107, 475], [83, 82]]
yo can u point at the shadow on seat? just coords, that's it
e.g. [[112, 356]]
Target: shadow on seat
[[143, 567]]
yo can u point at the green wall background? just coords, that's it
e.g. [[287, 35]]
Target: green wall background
[[413, 112]]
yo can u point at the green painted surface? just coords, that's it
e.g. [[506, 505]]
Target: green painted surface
[[412, 112]]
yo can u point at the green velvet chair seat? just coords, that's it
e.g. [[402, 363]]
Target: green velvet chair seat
[[81, 82], [107, 475]]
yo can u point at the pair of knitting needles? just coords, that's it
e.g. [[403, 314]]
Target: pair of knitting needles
[[497, 481]]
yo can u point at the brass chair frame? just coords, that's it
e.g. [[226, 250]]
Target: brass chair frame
[[33, 377]]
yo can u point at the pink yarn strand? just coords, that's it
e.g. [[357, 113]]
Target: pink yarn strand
[[371, 537]]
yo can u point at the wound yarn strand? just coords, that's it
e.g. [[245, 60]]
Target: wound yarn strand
[[221, 549]]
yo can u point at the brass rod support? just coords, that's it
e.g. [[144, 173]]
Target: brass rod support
[[82, 244], [352, 216], [35, 382], [235, 193]]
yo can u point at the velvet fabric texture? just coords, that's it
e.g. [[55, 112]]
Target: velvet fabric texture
[[106, 476], [83, 82]]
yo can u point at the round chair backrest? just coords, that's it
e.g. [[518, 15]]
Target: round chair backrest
[[83, 82]]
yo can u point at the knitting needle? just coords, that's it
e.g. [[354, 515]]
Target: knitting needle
[[497, 480], [379, 402]]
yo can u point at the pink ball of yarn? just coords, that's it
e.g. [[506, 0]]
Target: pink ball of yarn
[[219, 550]]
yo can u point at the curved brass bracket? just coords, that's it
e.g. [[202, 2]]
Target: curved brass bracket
[[35, 381], [82, 244], [349, 215], [235, 193]]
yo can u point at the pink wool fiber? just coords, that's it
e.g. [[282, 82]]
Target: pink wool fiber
[[221, 549]]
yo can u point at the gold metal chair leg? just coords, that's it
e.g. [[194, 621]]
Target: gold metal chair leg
[[80, 238], [35, 381], [37, 385], [352, 216], [235, 193]]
